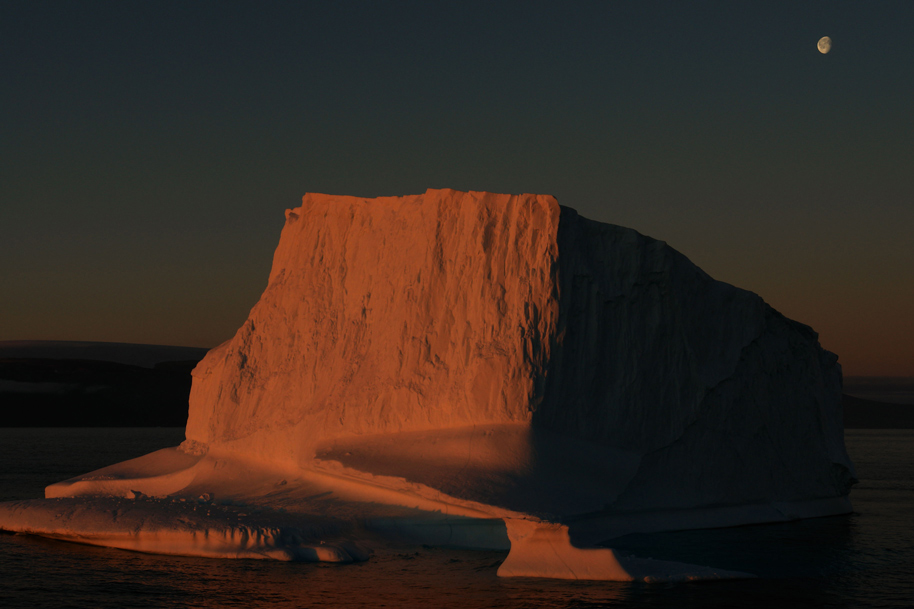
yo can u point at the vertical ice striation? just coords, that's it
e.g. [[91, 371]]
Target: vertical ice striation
[[726, 400], [387, 315]]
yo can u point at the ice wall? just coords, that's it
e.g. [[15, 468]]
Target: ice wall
[[386, 315], [450, 309]]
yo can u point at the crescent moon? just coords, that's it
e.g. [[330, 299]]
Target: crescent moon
[[824, 44]]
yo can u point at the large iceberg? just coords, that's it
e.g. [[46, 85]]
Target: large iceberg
[[488, 371]]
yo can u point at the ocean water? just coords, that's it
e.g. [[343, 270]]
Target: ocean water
[[865, 559]]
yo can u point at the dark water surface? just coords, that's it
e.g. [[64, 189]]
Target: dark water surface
[[865, 559]]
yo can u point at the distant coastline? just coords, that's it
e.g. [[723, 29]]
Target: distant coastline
[[144, 356], [869, 414], [886, 389], [92, 384]]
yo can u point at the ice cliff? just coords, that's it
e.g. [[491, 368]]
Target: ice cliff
[[412, 317], [388, 315]]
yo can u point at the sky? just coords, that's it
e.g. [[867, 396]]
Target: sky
[[148, 150]]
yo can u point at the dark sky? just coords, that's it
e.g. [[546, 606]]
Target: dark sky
[[148, 149]]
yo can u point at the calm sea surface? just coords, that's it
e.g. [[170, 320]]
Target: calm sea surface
[[865, 559]]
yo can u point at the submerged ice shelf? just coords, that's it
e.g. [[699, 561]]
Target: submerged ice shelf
[[486, 371]]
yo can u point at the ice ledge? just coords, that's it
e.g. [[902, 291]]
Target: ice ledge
[[160, 473], [337, 510]]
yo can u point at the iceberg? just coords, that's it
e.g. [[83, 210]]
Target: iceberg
[[485, 371]]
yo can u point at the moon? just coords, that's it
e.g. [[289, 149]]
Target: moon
[[824, 44]]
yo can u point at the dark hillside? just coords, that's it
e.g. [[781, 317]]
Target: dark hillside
[[87, 393], [868, 414]]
